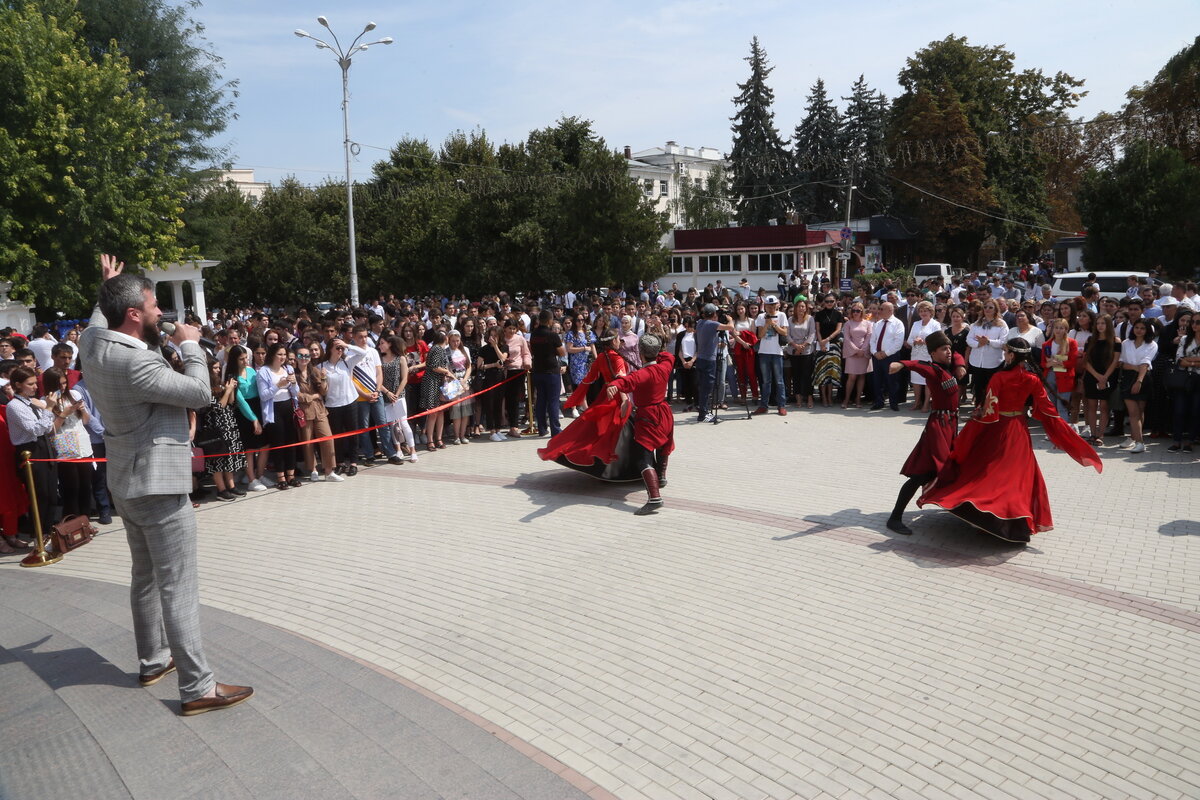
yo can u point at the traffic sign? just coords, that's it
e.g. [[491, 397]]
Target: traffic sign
[[845, 285], [847, 234], [843, 256]]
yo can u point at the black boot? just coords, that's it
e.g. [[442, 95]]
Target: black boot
[[662, 459], [896, 525], [655, 502]]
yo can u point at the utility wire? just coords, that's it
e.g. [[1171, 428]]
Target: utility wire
[[978, 211]]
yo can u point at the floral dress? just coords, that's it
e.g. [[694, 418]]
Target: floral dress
[[431, 382], [577, 363], [222, 420]]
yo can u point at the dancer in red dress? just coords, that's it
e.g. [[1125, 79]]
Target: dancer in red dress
[[933, 448], [601, 443], [607, 367], [991, 479]]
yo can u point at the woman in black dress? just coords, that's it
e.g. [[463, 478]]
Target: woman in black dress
[[1100, 357], [437, 371], [489, 362], [957, 332]]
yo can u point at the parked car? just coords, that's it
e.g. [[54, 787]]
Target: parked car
[[1112, 284], [997, 265], [923, 272]]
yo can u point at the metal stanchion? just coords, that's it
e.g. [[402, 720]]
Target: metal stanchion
[[39, 557], [531, 426]]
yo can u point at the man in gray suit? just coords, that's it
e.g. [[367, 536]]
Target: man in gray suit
[[144, 403]]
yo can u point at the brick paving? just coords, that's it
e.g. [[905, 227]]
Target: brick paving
[[763, 637]]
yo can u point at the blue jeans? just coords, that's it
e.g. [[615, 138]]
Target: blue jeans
[[773, 393], [547, 386], [705, 370], [370, 415]]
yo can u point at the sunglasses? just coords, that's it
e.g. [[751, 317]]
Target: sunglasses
[[303, 356]]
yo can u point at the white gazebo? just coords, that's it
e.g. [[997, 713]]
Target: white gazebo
[[13, 314], [190, 272]]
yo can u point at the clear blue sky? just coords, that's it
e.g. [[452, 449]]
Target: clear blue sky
[[642, 72]]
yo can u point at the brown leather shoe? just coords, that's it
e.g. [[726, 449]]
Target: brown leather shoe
[[155, 677], [227, 697]]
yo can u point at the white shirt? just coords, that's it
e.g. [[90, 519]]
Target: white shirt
[[921, 330], [1135, 356], [687, 345], [892, 331], [1034, 336], [41, 348], [768, 343], [991, 354], [1081, 338]]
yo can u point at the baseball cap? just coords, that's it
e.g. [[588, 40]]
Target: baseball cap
[[772, 300], [1168, 301]]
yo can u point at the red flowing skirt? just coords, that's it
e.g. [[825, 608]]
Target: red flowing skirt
[[593, 437], [993, 482]]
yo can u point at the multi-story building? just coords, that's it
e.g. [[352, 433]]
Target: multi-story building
[[660, 171]]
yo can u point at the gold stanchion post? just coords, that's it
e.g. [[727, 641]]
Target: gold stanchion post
[[39, 557], [531, 426]]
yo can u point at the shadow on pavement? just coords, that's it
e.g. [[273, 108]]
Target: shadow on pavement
[[555, 489], [1173, 469], [75, 666], [1180, 527]]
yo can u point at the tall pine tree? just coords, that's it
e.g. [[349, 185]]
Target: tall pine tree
[[819, 159], [759, 161], [863, 142]]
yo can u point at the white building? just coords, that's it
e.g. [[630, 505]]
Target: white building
[[244, 180], [661, 170]]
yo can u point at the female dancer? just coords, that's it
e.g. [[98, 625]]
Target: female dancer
[[933, 448], [991, 478]]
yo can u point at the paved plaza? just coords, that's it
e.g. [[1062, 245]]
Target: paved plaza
[[486, 625]]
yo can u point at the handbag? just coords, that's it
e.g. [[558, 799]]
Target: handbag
[[298, 415], [452, 389], [66, 444], [1177, 379], [74, 531]]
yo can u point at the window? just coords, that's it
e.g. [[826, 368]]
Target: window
[[770, 262], [681, 264], [662, 188], [697, 182], [723, 263], [648, 187]]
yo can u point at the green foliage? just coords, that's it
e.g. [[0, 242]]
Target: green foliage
[[553, 211], [173, 62], [1143, 212], [216, 225], [759, 162], [1166, 110], [863, 140], [1003, 108], [820, 159], [945, 229], [709, 205], [79, 147]]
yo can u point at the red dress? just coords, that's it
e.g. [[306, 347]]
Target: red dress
[[14, 497], [933, 448], [607, 367], [991, 479]]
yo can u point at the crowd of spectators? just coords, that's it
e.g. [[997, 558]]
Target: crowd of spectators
[[397, 370]]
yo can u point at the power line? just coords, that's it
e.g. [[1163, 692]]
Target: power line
[[980, 212]]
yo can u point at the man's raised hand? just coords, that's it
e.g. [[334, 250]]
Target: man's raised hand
[[109, 266]]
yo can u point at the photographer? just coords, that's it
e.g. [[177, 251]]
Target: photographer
[[706, 357]]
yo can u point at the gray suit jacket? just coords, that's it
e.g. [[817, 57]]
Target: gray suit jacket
[[143, 403]]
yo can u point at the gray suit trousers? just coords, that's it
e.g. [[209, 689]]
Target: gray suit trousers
[[165, 592]]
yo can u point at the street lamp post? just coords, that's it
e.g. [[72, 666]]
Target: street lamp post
[[343, 60]]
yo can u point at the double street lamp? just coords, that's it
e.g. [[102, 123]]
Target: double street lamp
[[343, 60]]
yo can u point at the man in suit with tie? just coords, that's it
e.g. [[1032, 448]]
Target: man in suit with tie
[[887, 337], [144, 403]]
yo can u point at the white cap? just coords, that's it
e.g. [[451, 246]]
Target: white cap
[[772, 300]]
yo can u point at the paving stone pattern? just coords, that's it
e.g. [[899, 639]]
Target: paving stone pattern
[[763, 637]]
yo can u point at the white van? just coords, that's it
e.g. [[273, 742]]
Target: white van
[[1112, 284], [923, 272]]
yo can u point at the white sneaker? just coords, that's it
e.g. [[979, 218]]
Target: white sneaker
[[497, 437], [314, 477], [412, 458], [334, 477], [1138, 447], [1128, 443], [256, 486]]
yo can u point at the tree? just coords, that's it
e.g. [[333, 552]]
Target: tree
[[1142, 212], [758, 162], [934, 184], [1003, 108], [217, 221], [1166, 110], [708, 205], [819, 159], [863, 141], [173, 62], [76, 138]]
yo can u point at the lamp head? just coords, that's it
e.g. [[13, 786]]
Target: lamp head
[[301, 33], [386, 40], [370, 27], [323, 21]]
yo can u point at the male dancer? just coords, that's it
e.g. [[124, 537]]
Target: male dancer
[[653, 423], [933, 448]]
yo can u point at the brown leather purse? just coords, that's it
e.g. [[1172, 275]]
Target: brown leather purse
[[74, 531]]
